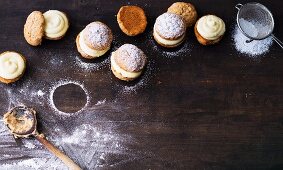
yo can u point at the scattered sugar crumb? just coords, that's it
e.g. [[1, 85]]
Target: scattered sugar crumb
[[29, 144], [100, 102], [40, 93]]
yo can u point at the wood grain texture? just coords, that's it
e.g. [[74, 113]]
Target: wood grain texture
[[210, 108]]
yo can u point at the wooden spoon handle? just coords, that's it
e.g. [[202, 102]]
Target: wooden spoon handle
[[70, 163]]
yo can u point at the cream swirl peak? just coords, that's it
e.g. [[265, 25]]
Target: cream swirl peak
[[56, 24], [12, 65], [211, 27]]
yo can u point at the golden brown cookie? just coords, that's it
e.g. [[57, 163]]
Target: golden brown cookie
[[186, 10], [34, 28], [132, 20], [12, 66]]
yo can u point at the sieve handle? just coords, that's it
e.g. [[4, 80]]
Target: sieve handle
[[238, 6], [277, 41]]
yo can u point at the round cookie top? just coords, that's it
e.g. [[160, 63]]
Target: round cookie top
[[170, 26], [97, 35], [186, 10], [132, 20], [34, 28], [12, 65], [130, 58]]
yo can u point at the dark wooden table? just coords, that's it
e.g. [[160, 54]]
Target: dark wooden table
[[205, 108]]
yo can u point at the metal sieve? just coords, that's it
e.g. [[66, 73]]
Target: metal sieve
[[256, 22]]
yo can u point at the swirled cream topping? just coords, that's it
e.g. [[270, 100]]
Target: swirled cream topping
[[12, 65], [211, 27], [56, 23]]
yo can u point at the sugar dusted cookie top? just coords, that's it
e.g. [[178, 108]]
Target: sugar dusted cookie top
[[170, 26]]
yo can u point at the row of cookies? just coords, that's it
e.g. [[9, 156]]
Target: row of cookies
[[128, 62], [170, 28]]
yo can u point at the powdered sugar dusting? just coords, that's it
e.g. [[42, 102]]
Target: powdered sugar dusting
[[36, 164], [90, 66], [98, 34], [61, 83], [132, 58], [29, 144], [170, 25], [183, 50], [252, 49], [92, 143], [141, 83]]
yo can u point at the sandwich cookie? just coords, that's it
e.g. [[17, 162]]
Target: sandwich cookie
[[169, 30], [12, 66], [51, 25], [95, 40], [128, 62], [209, 29], [186, 10], [132, 20]]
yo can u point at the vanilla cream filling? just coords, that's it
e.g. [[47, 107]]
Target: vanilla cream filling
[[56, 23], [121, 71], [211, 27], [12, 65], [167, 42], [89, 51]]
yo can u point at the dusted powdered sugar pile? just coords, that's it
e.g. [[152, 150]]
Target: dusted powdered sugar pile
[[36, 164], [170, 25], [254, 48], [98, 34], [131, 57], [93, 143]]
